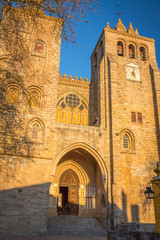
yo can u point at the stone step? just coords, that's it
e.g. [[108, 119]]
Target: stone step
[[74, 225], [77, 233]]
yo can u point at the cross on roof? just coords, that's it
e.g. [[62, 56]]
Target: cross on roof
[[119, 13]]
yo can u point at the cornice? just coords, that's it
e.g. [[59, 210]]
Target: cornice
[[26, 11], [126, 34]]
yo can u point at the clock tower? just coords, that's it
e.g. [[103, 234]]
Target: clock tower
[[125, 98]]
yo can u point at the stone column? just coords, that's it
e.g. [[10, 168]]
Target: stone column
[[156, 189]]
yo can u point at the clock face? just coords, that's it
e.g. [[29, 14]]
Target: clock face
[[132, 72]]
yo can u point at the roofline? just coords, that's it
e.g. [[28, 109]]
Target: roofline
[[121, 33]]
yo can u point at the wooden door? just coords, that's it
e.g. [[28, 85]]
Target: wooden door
[[69, 179]]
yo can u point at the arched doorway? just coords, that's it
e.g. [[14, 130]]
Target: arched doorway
[[68, 193], [87, 168]]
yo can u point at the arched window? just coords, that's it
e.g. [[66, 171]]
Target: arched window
[[131, 51], [39, 48], [35, 96], [35, 131], [127, 141], [142, 54], [120, 50], [13, 94], [72, 109]]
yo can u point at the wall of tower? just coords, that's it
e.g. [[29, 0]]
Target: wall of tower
[[125, 97], [26, 151]]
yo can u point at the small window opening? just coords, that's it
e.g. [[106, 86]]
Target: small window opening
[[120, 48], [133, 116], [39, 48], [131, 51], [35, 129], [139, 117], [13, 96], [142, 54], [125, 141]]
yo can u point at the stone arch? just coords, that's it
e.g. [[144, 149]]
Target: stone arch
[[39, 136], [87, 148], [35, 96], [71, 165], [132, 50], [39, 48], [72, 109], [131, 140], [14, 92], [143, 52], [121, 47], [91, 171]]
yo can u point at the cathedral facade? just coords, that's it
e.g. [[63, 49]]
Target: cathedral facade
[[88, 147]]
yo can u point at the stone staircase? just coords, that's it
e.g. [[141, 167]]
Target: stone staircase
[[75, 226]]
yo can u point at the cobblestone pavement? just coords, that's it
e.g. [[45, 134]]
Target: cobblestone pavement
[[54, 238]]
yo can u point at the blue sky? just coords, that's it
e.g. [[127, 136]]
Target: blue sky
[[144, 15]]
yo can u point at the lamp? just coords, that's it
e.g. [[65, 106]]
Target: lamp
[[149, 193]]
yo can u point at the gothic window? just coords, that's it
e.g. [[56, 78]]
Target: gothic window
[[72, 109], [120, 48], [13, 94], [39, 48], [35, 131], [142, 54], [127, 141], [131, 51], [35, 96]]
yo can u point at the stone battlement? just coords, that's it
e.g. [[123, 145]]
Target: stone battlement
[[64, 78]]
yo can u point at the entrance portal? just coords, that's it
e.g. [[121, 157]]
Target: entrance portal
[[68, 194]]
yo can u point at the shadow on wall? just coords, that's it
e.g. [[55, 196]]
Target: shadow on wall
[[133, 229], [24, 211]]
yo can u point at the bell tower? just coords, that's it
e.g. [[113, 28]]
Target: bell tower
[[125, 82], [121, 58]]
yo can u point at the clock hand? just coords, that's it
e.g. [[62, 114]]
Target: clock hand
[[133, 73]]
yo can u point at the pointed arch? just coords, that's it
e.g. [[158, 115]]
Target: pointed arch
[[83, 148], [127, 141], [35, 130], [14, 92], [35, 96], [72, 109]]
